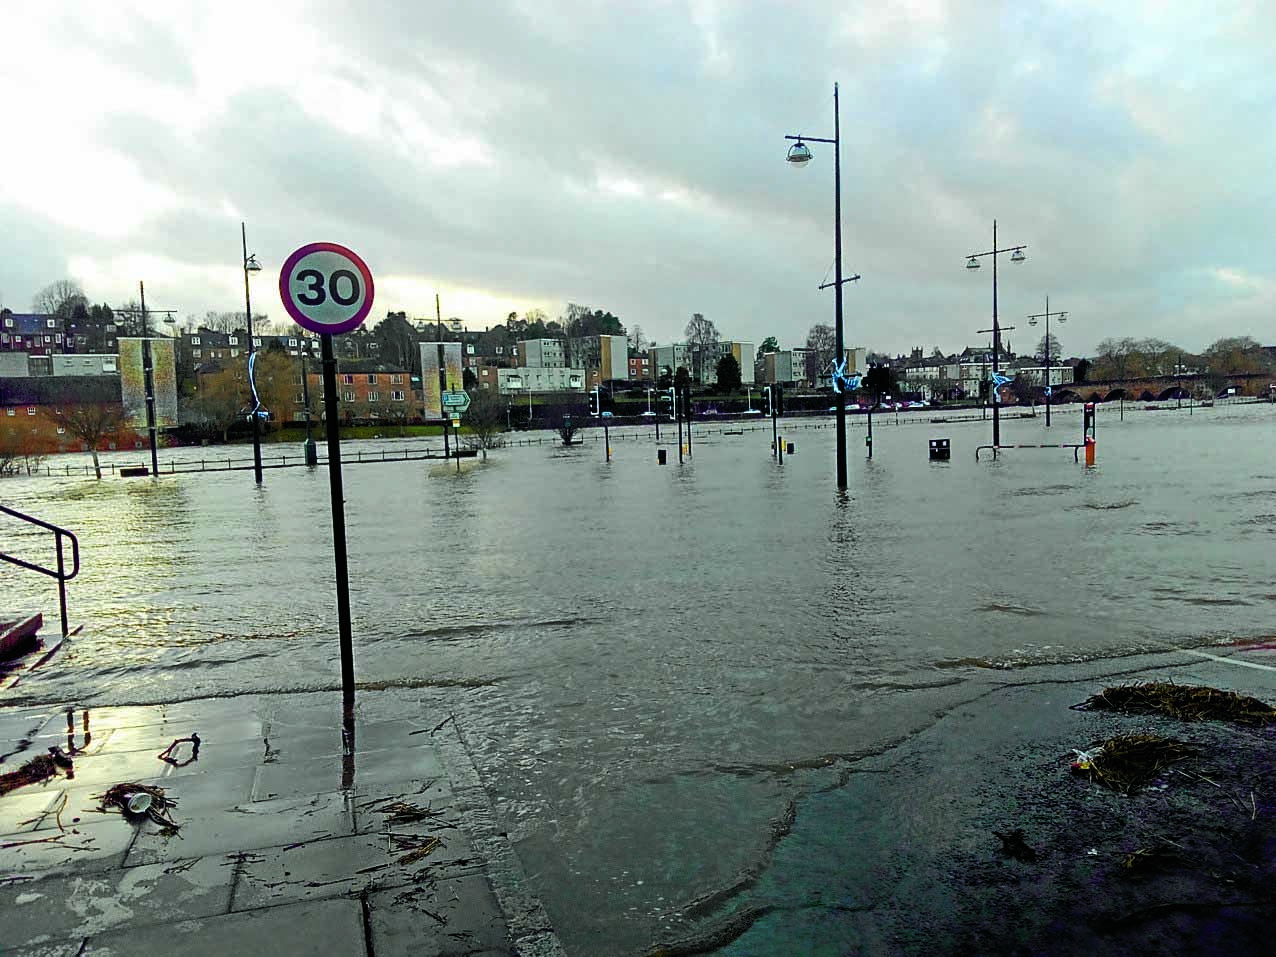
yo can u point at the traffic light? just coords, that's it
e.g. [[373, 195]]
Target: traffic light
[[778, 400], [595, 402], [685, 410], [767, 408], [673, 402]]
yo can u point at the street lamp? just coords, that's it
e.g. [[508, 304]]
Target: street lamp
[[251, 265], [799, 155], [972, 262], [1032, 321]]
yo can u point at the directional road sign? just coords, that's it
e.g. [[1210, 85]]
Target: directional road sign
[[326, 288], [456, 401]]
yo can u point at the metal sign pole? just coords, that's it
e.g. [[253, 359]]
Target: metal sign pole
[[148, 368], [338, 524]]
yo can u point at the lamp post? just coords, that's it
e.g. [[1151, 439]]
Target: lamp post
[[972, 262], [1032, 321], [251, 265], [799, 155]]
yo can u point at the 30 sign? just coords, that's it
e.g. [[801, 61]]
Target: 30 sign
[[326, 288]]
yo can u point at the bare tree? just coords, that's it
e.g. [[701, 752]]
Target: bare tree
[[821, 344], [20, 449], [62, 299], [91, 423], [638, 339], [485, 421], [702, 337], [1053, 347], [219, 400]]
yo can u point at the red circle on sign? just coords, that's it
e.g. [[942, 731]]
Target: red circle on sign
[[297, 308]]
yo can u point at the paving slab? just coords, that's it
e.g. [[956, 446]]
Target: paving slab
[[396, 768], [245, 827], [83, 904], [90, 846], [348, 866], [314, 929], [438, 919]]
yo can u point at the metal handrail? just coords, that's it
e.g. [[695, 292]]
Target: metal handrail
[[60, 573]]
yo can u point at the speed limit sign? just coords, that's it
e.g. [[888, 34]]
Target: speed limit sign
[[326, 288]]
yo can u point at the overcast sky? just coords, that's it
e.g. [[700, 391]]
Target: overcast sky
[[630, 156]]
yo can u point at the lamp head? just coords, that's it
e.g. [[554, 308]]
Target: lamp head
[[972, 263], [1063, 317], [1017, 256], [251, 264], [1032, 321], [799, 154]]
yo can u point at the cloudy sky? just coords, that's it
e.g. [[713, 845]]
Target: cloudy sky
[[517, 155]]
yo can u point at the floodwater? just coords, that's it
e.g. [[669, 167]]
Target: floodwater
[[655, 667]]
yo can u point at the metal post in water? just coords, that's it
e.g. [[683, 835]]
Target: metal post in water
[[338, 524]]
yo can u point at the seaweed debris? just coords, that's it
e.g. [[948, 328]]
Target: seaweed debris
[[1129, 761], [38, 769], [1184, 702]]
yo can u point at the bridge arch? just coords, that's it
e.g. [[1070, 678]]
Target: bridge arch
[[1174, 392], [1116, 394], [1066, 395]]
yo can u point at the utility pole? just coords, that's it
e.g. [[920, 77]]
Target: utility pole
[[148, 373]]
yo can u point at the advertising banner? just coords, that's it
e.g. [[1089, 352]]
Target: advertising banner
[[453, 374], [163, 378]]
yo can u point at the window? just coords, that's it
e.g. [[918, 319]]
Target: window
[[372, 380], [194, 339], [51, 323], [256, 342], [347, 379], [10, 411], [108, 364], [8, 323], [197, 352], [234, 353], [234, 341], [374, 396], [110, 327], [61, 430], [396, 396], [30, 410], [292, 343], [348, 396], [396, 380]]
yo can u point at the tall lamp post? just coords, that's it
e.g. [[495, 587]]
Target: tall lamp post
[[799, 155], [1032, 321], [251, 265], [972, 262]]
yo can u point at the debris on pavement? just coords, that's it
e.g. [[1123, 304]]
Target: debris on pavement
[[1184, 702], [136, 801], [38, 769], [1129, 761], [1014, 845], [168, 755]]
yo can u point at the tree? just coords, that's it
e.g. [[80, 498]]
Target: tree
[[1052, 345], [821, 344], [879, 381], [485, 420], [682, 377], [568, 428], [1236, 354], [20, 448], [91, 423], [469, 380], [637, 340], [1112, 358], [769, 344], [665, 379], [580, 322], [728, 373], [219, 401], [63, 299], [396, 341], [702, 337], [1081, 371]]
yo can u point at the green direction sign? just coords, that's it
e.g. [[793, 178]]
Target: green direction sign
[[456, 401]]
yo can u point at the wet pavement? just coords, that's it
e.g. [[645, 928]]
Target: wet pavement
[[288, 841]]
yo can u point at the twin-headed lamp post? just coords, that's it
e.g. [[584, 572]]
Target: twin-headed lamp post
[[972, 262], [1032, 321], [251, 265]]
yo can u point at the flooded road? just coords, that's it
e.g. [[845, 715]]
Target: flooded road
[[654, 667]]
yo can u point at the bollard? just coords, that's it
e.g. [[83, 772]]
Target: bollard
[[939, 450], [660, 456], [1089, 451]]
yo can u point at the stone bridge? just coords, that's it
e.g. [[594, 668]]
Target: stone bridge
[[1164, 387]]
